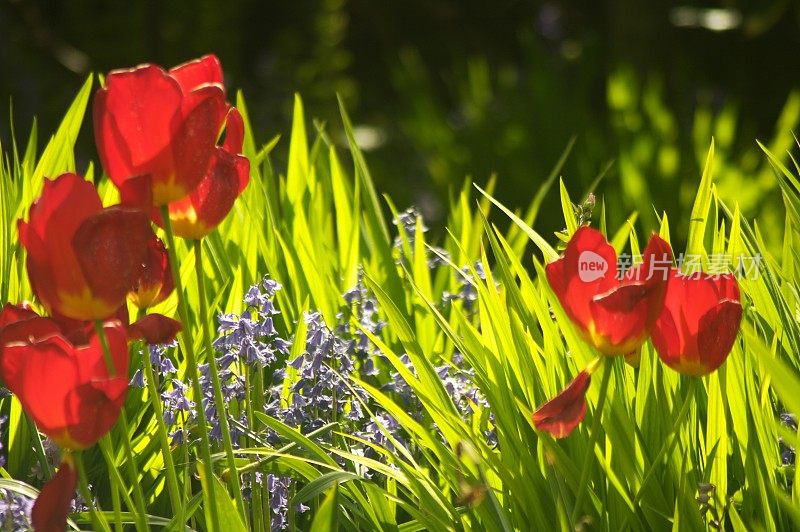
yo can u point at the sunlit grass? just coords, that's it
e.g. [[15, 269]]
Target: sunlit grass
[[321, 226]]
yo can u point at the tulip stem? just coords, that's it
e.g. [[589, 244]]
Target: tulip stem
[[133, 469], [222, 413], [191, 368], [115, 479], [101, 334], [115, 504], [98, 519], [669, 443], [608, 366], [161, 431]]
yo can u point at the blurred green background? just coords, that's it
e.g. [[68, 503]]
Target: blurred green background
[[445, 89]]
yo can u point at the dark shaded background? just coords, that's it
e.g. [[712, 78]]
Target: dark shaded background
[[442, 88]]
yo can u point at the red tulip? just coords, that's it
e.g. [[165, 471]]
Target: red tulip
[[49, 513], [162, 125], [82, 258], [561, 414], [11, 313], [155, 282], [696, 329], [66, 389], [198, 213], [614, 315]]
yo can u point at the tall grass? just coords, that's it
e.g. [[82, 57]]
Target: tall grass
[[320, 227]]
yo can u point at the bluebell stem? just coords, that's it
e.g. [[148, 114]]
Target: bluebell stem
[[248, 481], [15, 511]]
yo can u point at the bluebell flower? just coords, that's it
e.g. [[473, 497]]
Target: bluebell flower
[[788, 457], [406, 222], [52, 454], [78, 503], [271, 287], [138, 379], [177, 437], [226, 361], [789, 420], [227, 322], [166, 367], [160, 360], [267, 327], [281, 345], [787, 451], [176, 402], [278, 488], [376, 431], [254, 297], [15, 511], [468, 293]]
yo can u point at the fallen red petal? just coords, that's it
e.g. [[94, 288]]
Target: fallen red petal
[[51, 508], [561, 414], [155, 329]]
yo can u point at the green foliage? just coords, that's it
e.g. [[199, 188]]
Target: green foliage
[[317, 226]]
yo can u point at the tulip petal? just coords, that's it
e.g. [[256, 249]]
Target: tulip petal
[[192, 74], [698, 324], [66, 390], [134, 122], [92, 365], [137, 192], [53, 269], [202, 114], [199, 213], [717, 332], [49, 513], [111, 247], [155, 329], [78, 332], [588, 268], [13, 313], [93, 408], [22, 330], [41, 375], [155, 282], [234, 132], [621, 315], [561, 414], [657, 258]]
